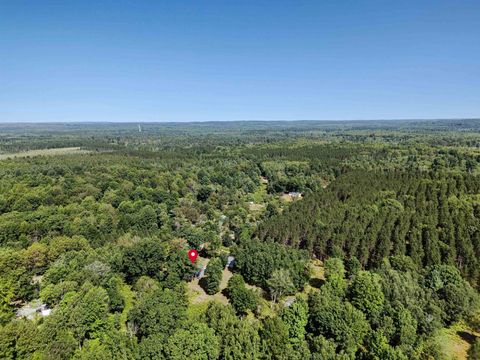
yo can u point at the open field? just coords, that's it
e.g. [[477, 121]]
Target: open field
[[45, 152], [455, 341]]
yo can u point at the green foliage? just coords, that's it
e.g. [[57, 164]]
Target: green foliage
[[406, 328], [403, 288], [392, 209], [213, 276], [372, 214], [15, 281], [18, 340], [60, 346], [378, 348], [114, 291], [295, 318], [52, 294], [337, 319], [6, 297], [241, 341], [62, 244], [159, 312], [152, 347], [239, 338], [366, 293], [275, 342], [352, 266], [324, 349], [474, 351], [144, 258], [80, 316], [138, 216], [85, 312], [455, 296], [257, 261], [280, 284], [197, 342], [108, 345], [92, 349], [241, 298], [335, 276]]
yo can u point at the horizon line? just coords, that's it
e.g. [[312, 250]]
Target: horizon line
[[231, 121]]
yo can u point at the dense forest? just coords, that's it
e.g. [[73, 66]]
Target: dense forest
[[317, 240]]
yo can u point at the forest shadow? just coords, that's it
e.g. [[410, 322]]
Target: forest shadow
[[316, 282], [203, 283], [468, 337]]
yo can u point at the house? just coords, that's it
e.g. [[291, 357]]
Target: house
[[295, 195], [30, 310]]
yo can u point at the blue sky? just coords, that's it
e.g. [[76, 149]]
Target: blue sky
[[237, 60]]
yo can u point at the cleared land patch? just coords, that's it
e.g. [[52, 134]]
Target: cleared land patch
[[45, 152], [455, 341], [197, 295]]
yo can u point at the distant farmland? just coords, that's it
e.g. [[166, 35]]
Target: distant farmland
[[45, 152]]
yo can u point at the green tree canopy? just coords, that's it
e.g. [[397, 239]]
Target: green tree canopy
[[198, 342]]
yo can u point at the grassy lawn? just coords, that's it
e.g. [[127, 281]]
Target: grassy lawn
[[198, 298], [455, 341]]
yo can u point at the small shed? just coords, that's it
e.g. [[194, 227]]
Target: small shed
[[230, 262], [44, 310], [295, 194]]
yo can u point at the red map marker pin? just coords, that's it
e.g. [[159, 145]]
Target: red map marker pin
[[192, 254]]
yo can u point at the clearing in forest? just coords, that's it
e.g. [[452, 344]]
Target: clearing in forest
[[197, 295], [455, 341], [45, 152]]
